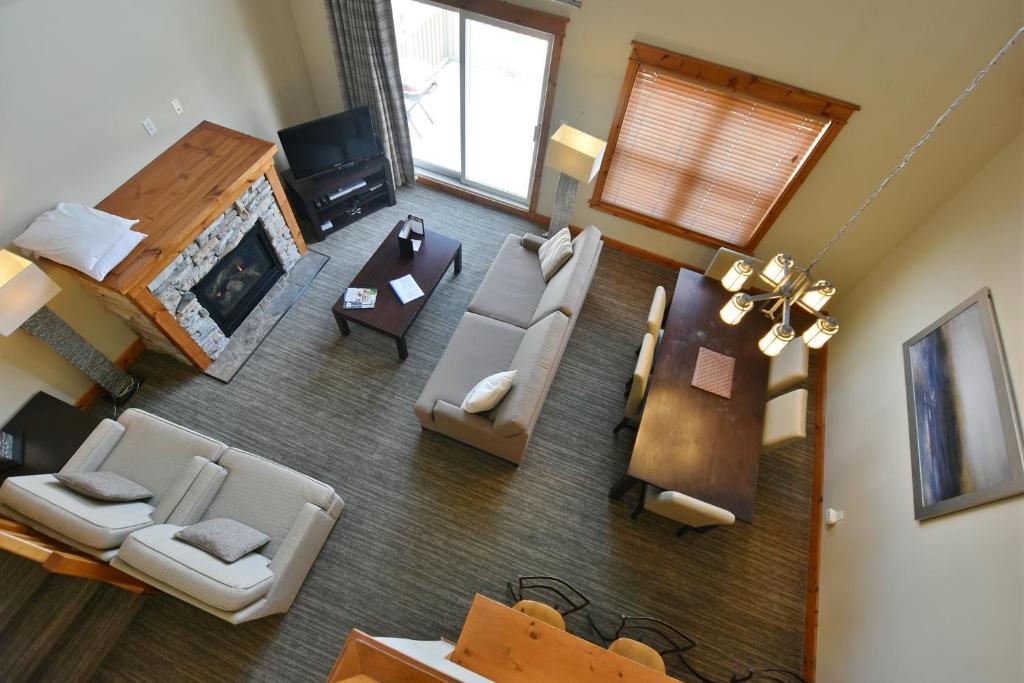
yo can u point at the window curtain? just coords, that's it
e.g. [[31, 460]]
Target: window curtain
[[366, 53]]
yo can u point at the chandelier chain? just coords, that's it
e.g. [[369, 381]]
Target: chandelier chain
[[913, 150]]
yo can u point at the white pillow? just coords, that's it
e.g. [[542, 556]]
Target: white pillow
[[488, 392], [554, 253], [117, 253], [74, 235]]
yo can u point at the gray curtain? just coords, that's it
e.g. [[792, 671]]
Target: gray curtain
[[366, 52]]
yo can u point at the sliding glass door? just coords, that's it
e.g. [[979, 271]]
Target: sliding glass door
[[474, 93]]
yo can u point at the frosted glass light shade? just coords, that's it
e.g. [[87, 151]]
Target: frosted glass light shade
[[575, 153], [737, 275], [735, 308], [820, 332], [776, 339], [775, 270], [817, 298], [24, 289]]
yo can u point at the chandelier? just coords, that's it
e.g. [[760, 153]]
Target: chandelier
[[789, 285]]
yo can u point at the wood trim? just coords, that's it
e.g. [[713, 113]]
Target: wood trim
[[779, 94], [285, 207], [364, 658], [123, 361], [544, 131], [57, 558], [817, 502], [513, 14], [748, 84], [463, 193], [162, 318]]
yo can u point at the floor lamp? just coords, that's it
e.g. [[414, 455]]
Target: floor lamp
[[578, 157], [24, 292]]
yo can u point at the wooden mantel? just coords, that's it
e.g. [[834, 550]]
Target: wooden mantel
[[174, 198]]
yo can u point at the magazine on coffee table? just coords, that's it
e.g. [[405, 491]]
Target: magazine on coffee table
[[360, 297], [406, 289]]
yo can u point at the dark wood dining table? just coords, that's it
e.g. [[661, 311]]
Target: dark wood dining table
[[690, 440]]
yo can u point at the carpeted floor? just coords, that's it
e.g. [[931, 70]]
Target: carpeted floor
[[429, 521]]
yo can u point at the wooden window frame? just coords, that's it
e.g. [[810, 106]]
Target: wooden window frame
[[734, 81], [540, 21]]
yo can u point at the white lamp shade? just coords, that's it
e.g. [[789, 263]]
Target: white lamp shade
[[735, 308], [737, 275], [24, 289], [776, 339], [820, 332], [775, 270], [817, 298], [575, 153]]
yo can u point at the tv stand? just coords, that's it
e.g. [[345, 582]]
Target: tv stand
[[319, 207]]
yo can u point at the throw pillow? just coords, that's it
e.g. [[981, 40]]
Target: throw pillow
[[74, 235], [555, 253], [223, 538], [117, 253], [106, 486], [488, 392]]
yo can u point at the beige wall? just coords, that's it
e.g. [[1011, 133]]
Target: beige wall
[[76, 81], [940, 600], [311, 22], [903, 62]]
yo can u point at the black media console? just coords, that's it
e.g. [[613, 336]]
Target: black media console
[[328, 201]]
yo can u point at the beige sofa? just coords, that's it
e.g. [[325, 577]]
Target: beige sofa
[[516, 321], [193, 478]]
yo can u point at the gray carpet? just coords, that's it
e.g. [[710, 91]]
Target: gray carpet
[[429, 522]]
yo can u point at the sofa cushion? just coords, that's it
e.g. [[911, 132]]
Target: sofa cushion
[[93, 523], [106, 486], [226, 539], [512, 287], [265, 495], [155, 453], [155, 552], [554, 253], [536, 360], [567, 288], [479, 347], [488, 392]]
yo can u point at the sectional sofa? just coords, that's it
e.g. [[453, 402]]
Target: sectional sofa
[[515, 321]]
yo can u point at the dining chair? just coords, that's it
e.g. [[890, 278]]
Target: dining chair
[[663, 640], [655, 318], [691, 512], [637, 390], [785, 420], [565, 597], [768, 676], [788, 368]]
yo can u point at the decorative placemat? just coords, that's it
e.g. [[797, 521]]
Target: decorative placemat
[[713, 372]]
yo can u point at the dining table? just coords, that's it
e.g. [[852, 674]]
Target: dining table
[[691, 440]]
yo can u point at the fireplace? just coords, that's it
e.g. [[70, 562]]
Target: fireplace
[[238, 282]]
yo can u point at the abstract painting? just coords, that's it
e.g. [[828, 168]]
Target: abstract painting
[[965, 433]]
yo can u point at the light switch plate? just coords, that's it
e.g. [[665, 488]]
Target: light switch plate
[[149, 126], [176, 106]]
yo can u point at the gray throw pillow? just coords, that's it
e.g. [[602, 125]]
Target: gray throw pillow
[[223, 538], [105, 486]]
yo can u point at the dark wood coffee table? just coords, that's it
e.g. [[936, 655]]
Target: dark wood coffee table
[[389, 316], [52, 431]]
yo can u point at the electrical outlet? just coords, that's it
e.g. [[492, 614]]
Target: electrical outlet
[[176, 106], [149, 126], [833, 516]]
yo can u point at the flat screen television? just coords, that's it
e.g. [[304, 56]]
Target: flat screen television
[[331, 142]]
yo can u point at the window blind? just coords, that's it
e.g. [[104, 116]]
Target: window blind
[[703, 159]]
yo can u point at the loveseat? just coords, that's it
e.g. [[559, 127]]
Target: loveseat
[[192, 478], [516, 321]]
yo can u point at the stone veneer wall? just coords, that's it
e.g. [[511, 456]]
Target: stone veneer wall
[[173, 286]]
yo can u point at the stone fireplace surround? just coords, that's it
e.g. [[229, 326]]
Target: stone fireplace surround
[[173, 286]]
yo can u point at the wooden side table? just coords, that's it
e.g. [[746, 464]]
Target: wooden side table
[[52, 431]]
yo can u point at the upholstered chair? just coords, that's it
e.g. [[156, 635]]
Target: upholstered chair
[[638, 386], [789, 367], [785, 420], [165, 458], [688, 511], [656, 314]]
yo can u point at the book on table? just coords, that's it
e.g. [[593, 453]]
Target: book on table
[[406, 289], [360, 297]]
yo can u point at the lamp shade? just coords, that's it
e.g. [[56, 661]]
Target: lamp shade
[[24, 289], [575, 153], [776, 339]]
